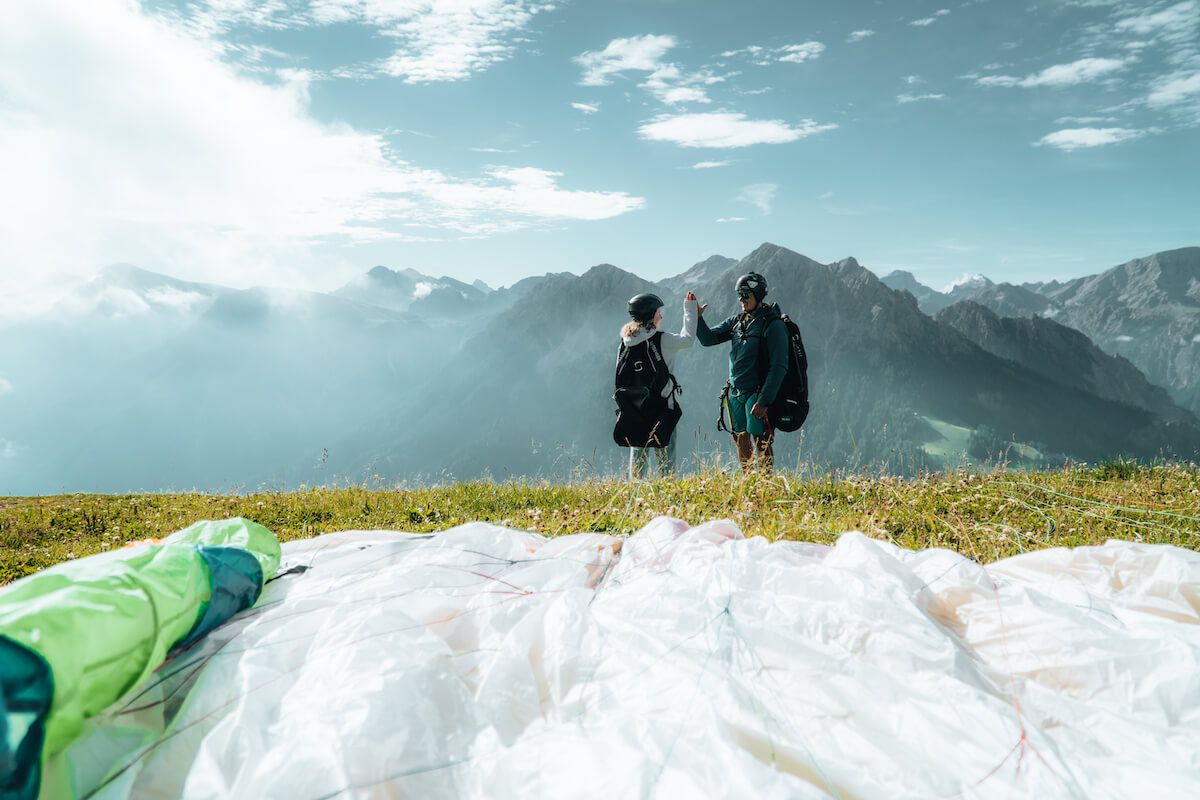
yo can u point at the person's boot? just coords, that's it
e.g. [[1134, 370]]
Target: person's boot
[[745, 449], [766, 453]]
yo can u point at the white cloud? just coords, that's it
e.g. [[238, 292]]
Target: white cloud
[[1174, 89], [5, 387], [9, 449], [1070, 139], [825, 196], [904, 99], [1179, 17], [1196, 339], [636, 53], [1083, 120], [1081, 71], [173, 298], [423, 289], [438, 40], [799, 53], [587, 108], [108, 156], [912, 80], [787, 54], [966, 279], [752, 50], [710, 164], [446, 41], [670, 86], [666, 82], [759, 195], [927, 21], [726, 129], [858, 36], [743, 219], [117, 302], [517, 195]]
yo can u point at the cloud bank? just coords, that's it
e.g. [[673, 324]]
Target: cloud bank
[[726, 129], [1059, 75], [108, 156], [1070, 139]]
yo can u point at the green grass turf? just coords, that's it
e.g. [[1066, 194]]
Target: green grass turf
[[983, 516]]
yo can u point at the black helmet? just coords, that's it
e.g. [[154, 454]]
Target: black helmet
[[643, 306], [752, 283]]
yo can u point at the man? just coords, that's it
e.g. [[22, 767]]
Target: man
[[755, 341]]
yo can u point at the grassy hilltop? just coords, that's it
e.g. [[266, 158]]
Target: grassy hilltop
[[985, 517]]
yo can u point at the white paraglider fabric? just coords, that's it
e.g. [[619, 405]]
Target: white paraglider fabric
[[680, 662]]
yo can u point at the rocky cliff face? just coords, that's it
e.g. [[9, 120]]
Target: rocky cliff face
[[699, 273], [1061, 354], [1147, 310]]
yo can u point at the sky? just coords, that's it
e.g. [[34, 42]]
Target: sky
[[299, 142]]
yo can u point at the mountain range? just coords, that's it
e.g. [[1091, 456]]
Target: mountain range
[[141, 381], [1147, 310]]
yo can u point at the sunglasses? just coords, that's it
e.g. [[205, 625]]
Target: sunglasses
[[744, 295]]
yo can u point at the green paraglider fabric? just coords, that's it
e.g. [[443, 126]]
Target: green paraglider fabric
[[237, 581], [26, 689], [103, 624]]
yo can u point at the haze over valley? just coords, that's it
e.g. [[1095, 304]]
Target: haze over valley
[[138, 381]]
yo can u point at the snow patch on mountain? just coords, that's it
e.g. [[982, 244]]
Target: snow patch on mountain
[[974, 281]]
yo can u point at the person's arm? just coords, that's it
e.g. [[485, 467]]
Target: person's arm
[[709, 336], [674, 342], [777, 359]]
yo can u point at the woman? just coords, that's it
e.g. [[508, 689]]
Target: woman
[[646, 313]]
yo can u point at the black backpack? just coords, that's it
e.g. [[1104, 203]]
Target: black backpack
[[643, 416], [790, 408]]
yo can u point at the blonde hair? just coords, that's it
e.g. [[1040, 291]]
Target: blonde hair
[[631, 328]]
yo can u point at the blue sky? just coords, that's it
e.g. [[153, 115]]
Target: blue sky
[[301, 141]]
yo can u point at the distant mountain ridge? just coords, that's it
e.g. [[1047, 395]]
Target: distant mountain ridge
[[700, 272], [887, 378], [1061, 354], [141, 381], [1146, 309]]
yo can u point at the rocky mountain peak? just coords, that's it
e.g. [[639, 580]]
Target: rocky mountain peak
[[968, 283], [700, 272]]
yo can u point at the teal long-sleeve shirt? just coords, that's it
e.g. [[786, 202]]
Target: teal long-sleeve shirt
[[746, 333]]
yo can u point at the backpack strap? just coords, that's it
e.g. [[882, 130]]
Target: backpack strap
[[763, 356], [722, 399], [654, 345]]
